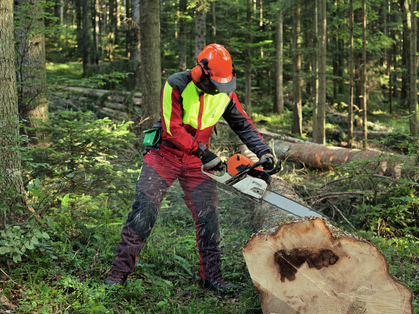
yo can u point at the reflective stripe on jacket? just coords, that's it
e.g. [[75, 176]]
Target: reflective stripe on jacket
[[188, 116]]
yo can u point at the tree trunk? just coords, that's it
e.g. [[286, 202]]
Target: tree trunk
[[79, 18], [279, 97], [315, 67], [364, 73], [413, 73], [297, 111], [117, 21], [214, 21], [136, 42], [307, 265], [111, 29], [351, 75], [320, 136], [199, 26], [30, 64], [182, 35], [95, 23], [11, 185], [248, 59], [329, 157], [86, 36], [406, 49], [150, 61]]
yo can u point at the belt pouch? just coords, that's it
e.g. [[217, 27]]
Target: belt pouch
[[152, 137]]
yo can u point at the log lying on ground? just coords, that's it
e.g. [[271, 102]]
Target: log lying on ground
[[99, 92], [309, 266], [328, 157]]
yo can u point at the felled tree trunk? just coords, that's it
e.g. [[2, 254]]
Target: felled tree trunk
[[328, 157], [309, 266]]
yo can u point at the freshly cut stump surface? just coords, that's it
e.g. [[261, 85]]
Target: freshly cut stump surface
[[302, 268]]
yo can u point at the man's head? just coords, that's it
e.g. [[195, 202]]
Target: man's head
[[215, 70]]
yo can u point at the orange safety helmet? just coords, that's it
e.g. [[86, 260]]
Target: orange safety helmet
[[215, 62]]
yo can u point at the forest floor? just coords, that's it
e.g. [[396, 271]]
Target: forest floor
[[66, 273]]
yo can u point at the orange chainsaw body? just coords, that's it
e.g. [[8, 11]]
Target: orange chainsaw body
[[236, 162]]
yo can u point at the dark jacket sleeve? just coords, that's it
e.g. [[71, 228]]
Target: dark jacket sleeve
[[242, 124]]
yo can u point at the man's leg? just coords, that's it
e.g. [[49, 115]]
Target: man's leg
[[157, 175], [202, 199]]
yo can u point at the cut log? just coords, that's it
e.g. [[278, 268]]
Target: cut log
[[303, 265], [96, 92], [328, 157]]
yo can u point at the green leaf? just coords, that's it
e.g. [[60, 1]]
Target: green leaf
[[34, 240], [4, 250], [29, 245], [37, 183]]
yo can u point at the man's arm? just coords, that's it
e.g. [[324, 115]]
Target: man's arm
[[242, 124]]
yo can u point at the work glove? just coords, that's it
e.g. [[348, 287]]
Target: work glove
[[211, 161], [271, 161]]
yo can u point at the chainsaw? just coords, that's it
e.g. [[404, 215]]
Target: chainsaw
[[250, 180]]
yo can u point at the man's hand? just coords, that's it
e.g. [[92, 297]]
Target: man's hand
[[271, 161], [211, 161]]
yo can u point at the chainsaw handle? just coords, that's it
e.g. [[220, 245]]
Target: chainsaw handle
[[276, 169], [261, 162]]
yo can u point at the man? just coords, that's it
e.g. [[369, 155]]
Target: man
[[191, 104]]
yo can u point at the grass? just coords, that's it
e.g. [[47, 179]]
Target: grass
[[70, 70]]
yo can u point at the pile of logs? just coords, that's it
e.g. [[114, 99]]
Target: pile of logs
[[117, 105]]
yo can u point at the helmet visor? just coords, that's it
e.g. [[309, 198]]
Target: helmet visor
[[226, 87]]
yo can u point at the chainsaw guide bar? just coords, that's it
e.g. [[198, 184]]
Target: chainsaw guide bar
[[247, 178]]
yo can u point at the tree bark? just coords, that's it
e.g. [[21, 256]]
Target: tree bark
[[413, 73], [315, 66], [199, 26], [320, 136], [329, 157], [364, 73], [297, 113], [406, 48], [248, 60], [95, 24], [11, 185], [279, 97], [182, 35], [351, 75], [136, 42], [111, 29], [86, 36], [214, 21], [150, 61], [30, 64]]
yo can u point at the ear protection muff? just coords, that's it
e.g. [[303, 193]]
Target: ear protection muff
[[198, 72]]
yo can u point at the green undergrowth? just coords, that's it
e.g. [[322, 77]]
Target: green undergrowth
[[67, 277], [81, 181]]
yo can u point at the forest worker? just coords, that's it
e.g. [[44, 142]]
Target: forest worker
[[191, 104]]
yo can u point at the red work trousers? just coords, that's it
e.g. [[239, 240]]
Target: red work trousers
[[159, 171]]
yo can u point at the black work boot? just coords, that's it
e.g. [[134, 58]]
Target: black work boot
[[116, 278], [219, 286]]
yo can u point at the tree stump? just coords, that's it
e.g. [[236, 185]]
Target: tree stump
[[306, 265]]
